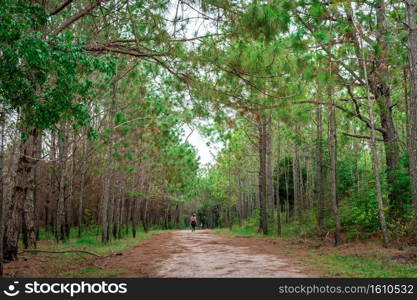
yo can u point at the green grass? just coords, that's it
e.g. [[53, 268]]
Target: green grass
[[331, 262], [92, 242], [294, 228], [238, 231], [373, 266], [73, 264]]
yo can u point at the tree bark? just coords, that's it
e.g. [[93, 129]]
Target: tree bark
[[412, 137], [287, 200], [319, 167], [374, 151], [278, 205], [296, 182], [2, 137], [269, 175], [333, 165], [262, 144], [105, 235], [22, 212], [60, 208], [378, 84], [81, 197]]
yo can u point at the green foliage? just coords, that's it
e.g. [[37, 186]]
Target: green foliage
[[359, 215], [266, 20], [42, 78], [363, 266]]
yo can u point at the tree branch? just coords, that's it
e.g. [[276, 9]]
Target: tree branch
[[361, 136], [61, 7], [77, 16]]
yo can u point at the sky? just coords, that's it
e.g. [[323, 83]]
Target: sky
[[195, 27], [206, 153]]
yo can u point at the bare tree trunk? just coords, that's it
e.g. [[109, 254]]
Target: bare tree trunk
[[69, 197], [333, 164], [105, 236], [134, 215], [269, 175], [287, 200], [301, 189], [36, 186], [374, 154], [379, 87], [2, 137], [82, 183], [60, 208], [145, 216], [22, 210], [412, 138], [319, 167], [278, 205], [296, 183], [263, 223]]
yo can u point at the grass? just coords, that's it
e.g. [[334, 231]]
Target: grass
[[74, 264], [363, 266], [92, 272], [238, 231], [360, 259], [93, 243]]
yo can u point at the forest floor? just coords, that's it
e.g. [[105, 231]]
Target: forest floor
[[179, 253], [219, 253], [359, 258], [202, 253]]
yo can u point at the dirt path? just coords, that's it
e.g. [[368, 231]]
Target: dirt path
[[205, 254]]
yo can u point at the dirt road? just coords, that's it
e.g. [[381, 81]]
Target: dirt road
[[205, 254]]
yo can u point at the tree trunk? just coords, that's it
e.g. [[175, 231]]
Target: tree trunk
[[269, 175], [333, 165], [105, 235], [2, 137], [262, 144], [135, 215], [81, 198], [287, 200], [380, 89], [378, 84], [296, 183], [412, 138], [22, 210], [60, 208], [36, 186], [373, 146], [278, 205], [319, 168], [145, 216]]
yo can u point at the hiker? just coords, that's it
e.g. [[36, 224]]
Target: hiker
[[193, 220], [203, 222]]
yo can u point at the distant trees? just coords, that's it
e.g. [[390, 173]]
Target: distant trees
[[56, 62], [94, 96], [348, 60]]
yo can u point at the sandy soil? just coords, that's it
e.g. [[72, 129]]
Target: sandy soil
[[205, 254], [179, 253]]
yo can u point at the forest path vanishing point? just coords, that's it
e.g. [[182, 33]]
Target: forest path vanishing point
[[183, 253]]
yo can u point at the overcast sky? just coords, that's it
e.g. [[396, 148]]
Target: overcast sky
[[195, 27], [206, 153]]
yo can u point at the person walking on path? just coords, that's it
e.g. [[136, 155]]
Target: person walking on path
[[203, 222], [193, 220]]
